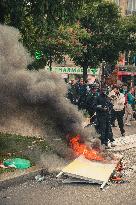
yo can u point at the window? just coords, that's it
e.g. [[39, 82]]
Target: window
[[131, 5], [134, 5]]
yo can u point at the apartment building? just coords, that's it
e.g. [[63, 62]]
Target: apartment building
[[128, 7]]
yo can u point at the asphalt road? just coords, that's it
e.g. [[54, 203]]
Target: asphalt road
[[50, 192]]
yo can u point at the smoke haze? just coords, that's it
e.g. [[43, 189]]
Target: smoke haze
[[33, 102]]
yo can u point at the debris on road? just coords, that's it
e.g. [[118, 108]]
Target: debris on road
[[39, 178], [17, 163], [84, 170], [125, 143]]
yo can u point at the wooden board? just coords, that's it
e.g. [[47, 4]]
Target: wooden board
[[89, 169]]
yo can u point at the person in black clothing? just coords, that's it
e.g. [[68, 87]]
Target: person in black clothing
[[90, 100], [82, 94], [103, 108], [73, 92]]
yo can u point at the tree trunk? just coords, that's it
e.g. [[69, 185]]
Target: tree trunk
[[50, 63], [85, 73]]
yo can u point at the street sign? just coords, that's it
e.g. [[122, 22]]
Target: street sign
[[74, 70]]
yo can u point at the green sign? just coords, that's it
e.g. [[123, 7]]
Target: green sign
[[38, 55], [73, 70]]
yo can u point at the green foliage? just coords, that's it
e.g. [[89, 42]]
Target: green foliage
[[38, 22], [102, 22], [129, 33], [54, 45], [49, 12], [12, 146], [56, 12], [52, 27]]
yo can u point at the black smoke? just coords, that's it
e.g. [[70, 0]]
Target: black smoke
[[34, 102]]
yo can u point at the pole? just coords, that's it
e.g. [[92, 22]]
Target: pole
[[50, 63]]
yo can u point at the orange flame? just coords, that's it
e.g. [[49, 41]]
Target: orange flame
[[117, 177], [80, 148], [119, 167]]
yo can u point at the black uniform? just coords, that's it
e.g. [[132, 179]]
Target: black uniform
[[103, 108], [82, 94], [73, 94], [90, 102]]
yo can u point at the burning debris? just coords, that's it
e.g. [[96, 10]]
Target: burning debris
[[91, 166], [84, 170], [83, 149]]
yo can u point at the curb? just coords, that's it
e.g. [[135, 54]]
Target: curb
[[18, 177]]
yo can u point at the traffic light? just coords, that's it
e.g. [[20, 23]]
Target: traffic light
[[38, 55]]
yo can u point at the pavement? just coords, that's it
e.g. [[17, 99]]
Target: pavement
[[21, 188], [8, 179], [124, 143], [51, 192], [130, 130]]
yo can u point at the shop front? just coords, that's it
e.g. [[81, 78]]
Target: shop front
[[69, 73], [127, 74], [124, 74]]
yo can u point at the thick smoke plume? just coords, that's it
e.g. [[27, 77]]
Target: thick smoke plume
[[34, 102]]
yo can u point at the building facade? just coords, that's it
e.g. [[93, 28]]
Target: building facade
[[128, 7]]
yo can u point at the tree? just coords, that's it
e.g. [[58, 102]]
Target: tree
[[53, 12], [61, 42], [102, 21], [38, 22], [128, 28], [51, 26]]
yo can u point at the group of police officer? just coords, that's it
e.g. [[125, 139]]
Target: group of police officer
[[102, 107]]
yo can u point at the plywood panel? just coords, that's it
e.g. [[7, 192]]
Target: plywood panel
[[87, 169]]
